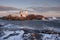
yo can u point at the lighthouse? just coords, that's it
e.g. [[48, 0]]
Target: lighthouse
[[23, 13]]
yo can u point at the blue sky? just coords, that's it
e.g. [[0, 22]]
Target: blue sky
[[30, 3]]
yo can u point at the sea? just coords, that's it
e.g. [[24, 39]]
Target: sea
[[30, 30]]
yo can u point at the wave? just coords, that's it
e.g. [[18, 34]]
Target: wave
[[30, 30]]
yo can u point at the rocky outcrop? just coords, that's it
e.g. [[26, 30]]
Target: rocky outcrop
[[9, 17], [39, 17], [28, 17]]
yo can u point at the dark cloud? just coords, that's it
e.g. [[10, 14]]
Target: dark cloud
[[45, 9], [6, 8]]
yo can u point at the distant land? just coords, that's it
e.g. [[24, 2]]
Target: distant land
[[7, 8]]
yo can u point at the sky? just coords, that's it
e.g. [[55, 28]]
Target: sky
[[34, 3], [30, 3]]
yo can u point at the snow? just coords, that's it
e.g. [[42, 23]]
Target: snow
[[18, 37], [49, 37], [21, 33], [7, 33]]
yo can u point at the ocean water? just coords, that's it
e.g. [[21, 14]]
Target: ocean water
[[30, 30]]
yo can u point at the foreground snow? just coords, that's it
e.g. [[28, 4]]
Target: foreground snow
[[28, 32], [21, 35]]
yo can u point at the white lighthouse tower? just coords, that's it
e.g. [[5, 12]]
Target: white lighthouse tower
[[23, 13]]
